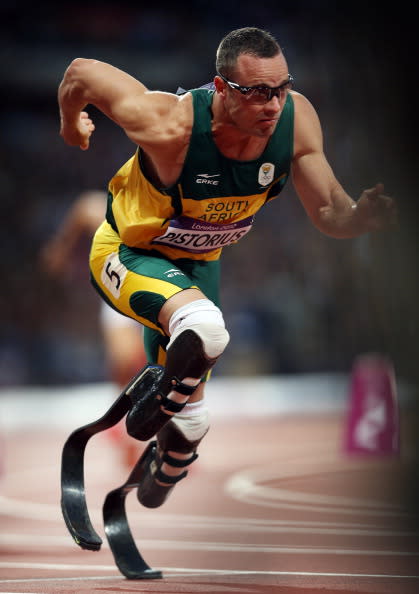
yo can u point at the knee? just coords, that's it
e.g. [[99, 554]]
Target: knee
[[206, 320], [214, 338], [184, 432]]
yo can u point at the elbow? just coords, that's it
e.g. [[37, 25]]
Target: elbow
[[77, 68], [73, 86]]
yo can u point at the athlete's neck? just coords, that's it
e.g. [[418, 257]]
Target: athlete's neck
[[233, 142]]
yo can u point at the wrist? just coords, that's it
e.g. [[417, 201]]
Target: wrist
[[361, 223]]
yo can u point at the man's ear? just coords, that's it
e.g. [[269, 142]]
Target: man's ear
[[219, 84]]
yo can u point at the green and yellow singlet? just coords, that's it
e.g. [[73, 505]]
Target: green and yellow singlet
[[215, 199]]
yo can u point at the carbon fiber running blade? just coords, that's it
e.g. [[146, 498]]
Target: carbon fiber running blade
[[73, 497], [127, 557]]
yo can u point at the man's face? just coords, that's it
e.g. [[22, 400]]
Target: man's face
[[250, 117]]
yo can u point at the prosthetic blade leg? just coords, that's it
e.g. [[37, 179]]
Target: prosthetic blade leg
[[73, 498], [126, 555]]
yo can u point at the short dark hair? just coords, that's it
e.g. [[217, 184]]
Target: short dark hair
[[248, 40]]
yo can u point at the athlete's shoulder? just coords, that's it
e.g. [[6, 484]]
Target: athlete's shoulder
[[171, 122], [307, 127], [302, 105]]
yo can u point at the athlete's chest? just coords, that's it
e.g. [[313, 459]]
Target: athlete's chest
[[207, 174]]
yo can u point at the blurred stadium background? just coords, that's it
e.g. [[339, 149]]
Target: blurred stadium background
[[295, 301]]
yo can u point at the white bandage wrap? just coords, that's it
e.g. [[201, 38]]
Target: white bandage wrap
[[193, 421], [206, 320]]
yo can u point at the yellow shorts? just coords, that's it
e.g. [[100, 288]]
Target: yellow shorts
[[137, 282]]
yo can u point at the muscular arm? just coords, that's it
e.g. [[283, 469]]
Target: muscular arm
[[147, 117], [327, 204]]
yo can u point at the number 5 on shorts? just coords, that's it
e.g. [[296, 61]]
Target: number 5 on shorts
[[113, 274]]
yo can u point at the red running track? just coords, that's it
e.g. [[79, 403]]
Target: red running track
[[271, 506]]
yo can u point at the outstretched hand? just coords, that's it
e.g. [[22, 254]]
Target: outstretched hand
[[376, 210], [79, 134]]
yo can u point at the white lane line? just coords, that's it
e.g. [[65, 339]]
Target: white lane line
[[8, 540], [239, 572], [330, 509], [54, 566], [28, 509], [176, 572], [50, 512], [250, 486]]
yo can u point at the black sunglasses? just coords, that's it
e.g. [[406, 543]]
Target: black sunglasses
[[260, 93]]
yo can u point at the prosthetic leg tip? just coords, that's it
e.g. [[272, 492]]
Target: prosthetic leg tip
[[88, 546], [147, 574], [82, 536]]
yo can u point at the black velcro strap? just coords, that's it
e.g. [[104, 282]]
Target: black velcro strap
[[171, 405], [184, 389], [170, 480], [176, 462]]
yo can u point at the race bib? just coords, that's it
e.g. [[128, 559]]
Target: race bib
[[200, 237]]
